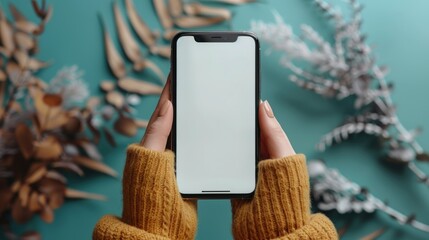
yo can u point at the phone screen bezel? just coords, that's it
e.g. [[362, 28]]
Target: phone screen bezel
[[216, 37]]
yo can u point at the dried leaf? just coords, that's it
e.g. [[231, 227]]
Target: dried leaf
[[169, 34], [56, 199], [33, 203], [192, 21], [24, 41], [139, 26], [21, 21], [162, 12], [129, 45], [31, 235], [73, 126], [49, 186], [72, 193], [163, 51], [52, 100], [48, 117], [94, 165], [48, 149], [175, 7], [27, 62], [374, 234], [114, 60], [147, 64], [109, 136], [19, 213], [139, 86], [126, 126], [47, 214], [25, 139], [203, 10], [141, 123], [6, 34], [92, 103], [115, 99], [6, 196], [107, 86], [56, 176], [24, 194], [69, 166], [91, 150], [36, 174]]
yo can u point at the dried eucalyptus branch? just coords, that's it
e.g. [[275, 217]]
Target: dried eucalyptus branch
[[332, 191], [347, 69]]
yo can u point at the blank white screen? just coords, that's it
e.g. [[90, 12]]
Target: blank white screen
[[215, 118]]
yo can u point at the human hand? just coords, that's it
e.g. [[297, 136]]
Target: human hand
[[274, 142], [282, 182], [161, 209]]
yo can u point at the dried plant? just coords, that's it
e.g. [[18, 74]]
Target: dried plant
[[124, 93], [332, 191], [347, 69], [42, 127]]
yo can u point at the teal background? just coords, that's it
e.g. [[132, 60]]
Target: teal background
[[399, 32]]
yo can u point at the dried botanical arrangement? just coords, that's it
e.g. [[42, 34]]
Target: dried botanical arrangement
[[347, 69], [44, 129], [125, 92], [332, 191]]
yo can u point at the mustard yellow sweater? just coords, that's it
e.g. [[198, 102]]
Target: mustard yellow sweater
[[154, 209]]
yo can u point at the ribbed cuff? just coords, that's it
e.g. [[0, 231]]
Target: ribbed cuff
[[147, 184], [280, 208], [284, 188]]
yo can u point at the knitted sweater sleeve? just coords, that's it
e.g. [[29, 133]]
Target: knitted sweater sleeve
[[280, 208], [152, 205]]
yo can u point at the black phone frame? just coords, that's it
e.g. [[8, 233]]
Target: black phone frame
[[216, 36]]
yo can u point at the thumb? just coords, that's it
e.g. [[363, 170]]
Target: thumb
[[272, 135], [157, 132]]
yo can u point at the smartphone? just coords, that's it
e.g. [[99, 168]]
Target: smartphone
[[215, 95]]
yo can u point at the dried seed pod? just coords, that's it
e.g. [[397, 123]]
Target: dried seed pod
[[139, 86], [203, 10], [175, 7], [114, 60], [115, 99], [163, 14], [107, 86], [139, 26], [126, 126], [36, 174], [129, 45], [193, 21], [163, 51]]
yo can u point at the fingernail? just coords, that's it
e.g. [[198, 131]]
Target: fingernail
[[268, 109], [164, 108], [260, 101]]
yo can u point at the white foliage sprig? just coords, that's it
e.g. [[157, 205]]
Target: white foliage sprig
[[343, 69], [333, 191]]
